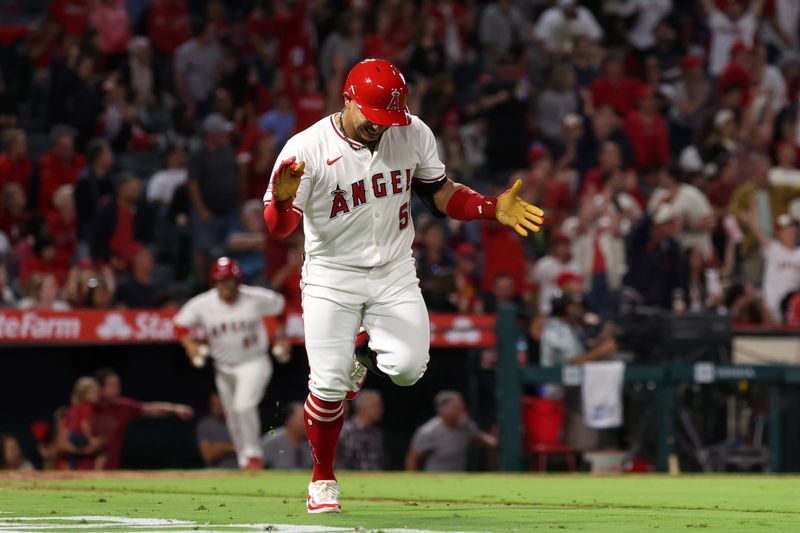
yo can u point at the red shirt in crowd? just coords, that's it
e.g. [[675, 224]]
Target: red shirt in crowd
[[64, 234], [73, 15], [650, 139], [502, 254], [291, 31], [621, 96], [123, 241], [73, 421], [308, 108], [111, 420], [53, 174], [15, 171], [168, 25], [110, 19]]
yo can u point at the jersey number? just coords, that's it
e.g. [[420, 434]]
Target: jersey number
[[404, 216]]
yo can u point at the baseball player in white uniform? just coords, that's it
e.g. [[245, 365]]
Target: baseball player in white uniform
[[231, 314], [349, 177]]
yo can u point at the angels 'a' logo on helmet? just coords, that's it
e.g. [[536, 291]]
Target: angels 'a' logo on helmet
[[394, 103]]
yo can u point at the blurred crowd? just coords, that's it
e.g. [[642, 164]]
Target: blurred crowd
[[661, 139]]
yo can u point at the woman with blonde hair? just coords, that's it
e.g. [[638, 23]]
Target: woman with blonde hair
[[78, 431]]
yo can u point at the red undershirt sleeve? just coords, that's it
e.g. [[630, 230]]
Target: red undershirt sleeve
[[282, 217]]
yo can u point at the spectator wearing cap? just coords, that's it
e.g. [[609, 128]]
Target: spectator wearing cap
[[15, 165], [563, 342], [61, 165], [196, 63], [559, 27], [781, 260], [615, 88], [214, 190], [95, 186], [690, 205], [549, 268], [122, 225], [768, 201], [692, 93], [656, 261], [598, 234], [648, 132], [737, 21]]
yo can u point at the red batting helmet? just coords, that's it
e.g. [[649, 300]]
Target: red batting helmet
[[225, 268], [379, 90]]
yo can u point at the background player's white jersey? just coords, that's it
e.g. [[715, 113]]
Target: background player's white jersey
[[235, 332], [355, 203]]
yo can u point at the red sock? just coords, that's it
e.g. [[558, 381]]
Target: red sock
[[323, 421]]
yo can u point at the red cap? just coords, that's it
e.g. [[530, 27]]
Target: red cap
[[379, 91], [225, 268], [536, 153], [690, 61], [559, 237], [568, 276], [465, 249], [739, 46]]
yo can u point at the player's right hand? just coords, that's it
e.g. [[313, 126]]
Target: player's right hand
[[286, 179]]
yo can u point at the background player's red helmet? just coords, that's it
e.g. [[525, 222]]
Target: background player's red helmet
[[225, 268], [380, 92]]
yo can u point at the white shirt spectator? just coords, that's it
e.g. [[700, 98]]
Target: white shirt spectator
[[786, 177], [787, 16], [557, 32], [163, 183], [545, 273], [197, 64], [724, 33], [648, 14], [692, 205], [781, 275]]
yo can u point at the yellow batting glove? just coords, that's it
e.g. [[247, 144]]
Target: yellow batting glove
[[516, 213], [286, 179]]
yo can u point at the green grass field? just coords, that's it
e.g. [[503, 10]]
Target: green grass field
[[274, 501]]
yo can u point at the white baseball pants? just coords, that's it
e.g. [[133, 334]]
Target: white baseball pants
[[386, 300], [241, 388]]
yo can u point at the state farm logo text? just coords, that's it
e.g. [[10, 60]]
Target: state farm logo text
[[146, 326], [35, 326]]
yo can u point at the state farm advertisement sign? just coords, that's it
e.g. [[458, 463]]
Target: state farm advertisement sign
[[150, 326]]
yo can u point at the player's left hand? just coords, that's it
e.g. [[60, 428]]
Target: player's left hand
[[516, 213]]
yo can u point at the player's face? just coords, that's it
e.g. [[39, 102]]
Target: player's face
[[228, 289], [366, 132]]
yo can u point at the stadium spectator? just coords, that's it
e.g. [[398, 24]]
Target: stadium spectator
[[361, 442], [168, 26], [110, 19], [7, 296], [162, 185], [692, 207], [11, 457], [558, 99], [441, 444], [692, 93], [786, 171], [82, 277], [62, 225], [434, 265], [44, 260], [280, 120], [246, 242], [41, 293], [781, 260], [140, 290], [615, 88], [80, 431], [214, 192], [94, 187], [465, 297], [648, 131], [702, 290], [15, 165], [196, 63], [14, 217], [780, 27], [563, 341], [213, 439], [76, 97], [114, 413], [59, 166], [501, 29], [343, 46], [655, 264], [645, 16], [121, 225], [737, 22], [548, 269], [286, 447], [559, 27]]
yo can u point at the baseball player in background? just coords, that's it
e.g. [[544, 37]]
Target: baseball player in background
[[231, 315], [349, 177]]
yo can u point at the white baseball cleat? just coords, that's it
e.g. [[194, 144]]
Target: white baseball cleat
[[323, 496]]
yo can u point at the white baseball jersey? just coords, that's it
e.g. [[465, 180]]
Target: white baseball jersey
[[355, 203], [235, 331], [781, 275]]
